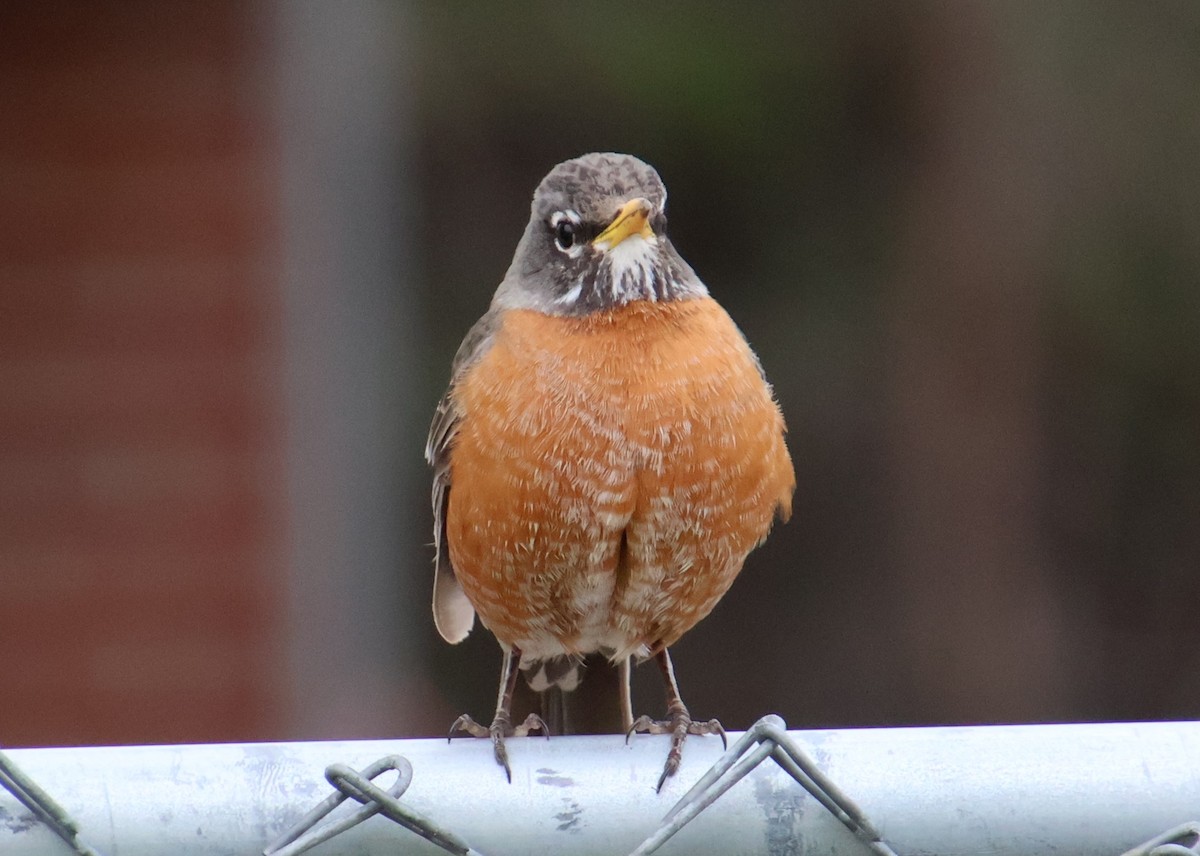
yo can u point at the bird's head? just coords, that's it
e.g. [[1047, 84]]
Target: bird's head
[[597, 239]]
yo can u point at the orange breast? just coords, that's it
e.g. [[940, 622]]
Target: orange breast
[[610, 474]]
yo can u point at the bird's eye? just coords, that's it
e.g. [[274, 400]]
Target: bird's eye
[[564, 234]]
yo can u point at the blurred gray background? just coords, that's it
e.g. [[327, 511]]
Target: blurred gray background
[[964, 239]]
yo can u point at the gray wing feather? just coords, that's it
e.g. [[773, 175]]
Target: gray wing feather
[[452, 612]]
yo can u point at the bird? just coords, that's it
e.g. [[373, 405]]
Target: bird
[[606, 455]]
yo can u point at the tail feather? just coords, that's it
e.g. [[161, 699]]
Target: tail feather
[[563, 672], [576, 695]]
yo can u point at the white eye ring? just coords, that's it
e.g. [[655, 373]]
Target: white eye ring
[[565, 225]]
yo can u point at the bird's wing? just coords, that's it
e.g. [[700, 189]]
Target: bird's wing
[[452, 612]]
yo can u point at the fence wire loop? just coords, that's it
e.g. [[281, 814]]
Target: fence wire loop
[[350, 784], [43, 806], [770, 735], [1183, 840]]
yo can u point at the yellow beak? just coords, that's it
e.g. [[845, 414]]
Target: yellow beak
[[632, 219]]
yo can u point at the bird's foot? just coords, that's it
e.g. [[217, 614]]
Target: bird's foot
[[679, 725], [500, 729]]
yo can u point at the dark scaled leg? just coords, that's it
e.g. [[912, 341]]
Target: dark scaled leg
[[502, 726], [624, 671], [678, 724]]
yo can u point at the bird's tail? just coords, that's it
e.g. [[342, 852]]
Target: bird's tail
[[576, 695], [564, 672]]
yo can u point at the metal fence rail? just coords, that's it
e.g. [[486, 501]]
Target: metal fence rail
[[1070, 790]]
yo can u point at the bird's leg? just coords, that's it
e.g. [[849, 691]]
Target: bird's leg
[[502, 726], [623, 674], [679, 723]]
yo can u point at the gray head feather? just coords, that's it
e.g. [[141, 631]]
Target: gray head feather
[[560, 269]]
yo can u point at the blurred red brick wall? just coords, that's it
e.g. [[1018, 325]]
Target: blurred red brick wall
[[140, 487]]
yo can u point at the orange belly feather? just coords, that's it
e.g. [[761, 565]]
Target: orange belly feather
[[610, 474]]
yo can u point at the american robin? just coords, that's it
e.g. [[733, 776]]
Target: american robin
[[607, 454]]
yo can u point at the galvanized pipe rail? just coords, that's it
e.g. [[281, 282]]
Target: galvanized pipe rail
[[1070, 790]]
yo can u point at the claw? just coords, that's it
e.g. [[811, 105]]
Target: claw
[[715, 727], [645, 725], [502, 726], [466, 725], [679, 726], [533, 722], [500, 729], [499, 750]]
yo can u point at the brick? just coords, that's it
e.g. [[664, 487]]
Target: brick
[[209, 207], [140, 507], [198, 306], [76, 402]]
